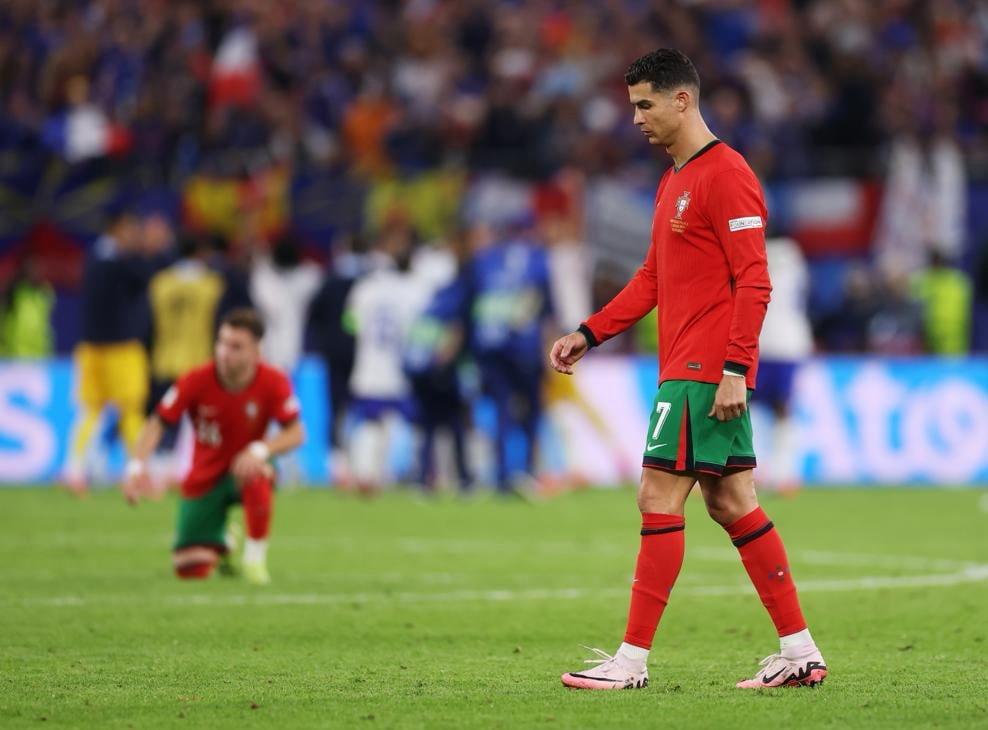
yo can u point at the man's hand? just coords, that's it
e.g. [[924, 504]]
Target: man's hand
[[251, 462], [731, 399], [137, 482], [566, 351]]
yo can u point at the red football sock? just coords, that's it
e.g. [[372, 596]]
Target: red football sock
[[194, 570], [659, 560], [764, 557], [256, 496]]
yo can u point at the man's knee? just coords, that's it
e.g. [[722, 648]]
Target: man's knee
[[195, 562], [722, 509], [730, 497]]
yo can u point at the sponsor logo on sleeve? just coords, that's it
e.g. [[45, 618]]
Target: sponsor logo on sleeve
[[291, 405], [740, 224], [170, 397]]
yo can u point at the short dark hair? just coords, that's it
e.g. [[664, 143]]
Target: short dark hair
[[245, 318], [665, 69]]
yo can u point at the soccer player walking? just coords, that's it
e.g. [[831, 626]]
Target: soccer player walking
[[706, 271], [231, 402]]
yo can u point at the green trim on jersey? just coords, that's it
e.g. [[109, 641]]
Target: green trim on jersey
[[682, 437]]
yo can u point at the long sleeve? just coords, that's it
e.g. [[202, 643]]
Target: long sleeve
[[738, 215], [637, 299]]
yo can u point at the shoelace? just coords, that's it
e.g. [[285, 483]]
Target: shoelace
[[775, 662], [602, 656]]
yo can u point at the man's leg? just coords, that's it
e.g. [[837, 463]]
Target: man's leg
[[200, 541], [87, 361], [257, 496], [661, 499], [732, 503]]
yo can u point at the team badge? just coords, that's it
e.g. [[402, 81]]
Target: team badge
[[251, 409], [682, 203]]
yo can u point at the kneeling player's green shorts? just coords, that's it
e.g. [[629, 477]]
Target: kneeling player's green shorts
[[202, 520], [682, 437]]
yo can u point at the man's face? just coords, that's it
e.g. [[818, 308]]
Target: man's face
[[658, 114], [237, 352], [156, 233], [128, 233]]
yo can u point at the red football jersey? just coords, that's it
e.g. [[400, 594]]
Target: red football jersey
[[705, 270], [225, 422]]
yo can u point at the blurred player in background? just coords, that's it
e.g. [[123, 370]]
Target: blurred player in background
[[433, 351], [185, 299], [231, 401], [110, 360], [510, 302], [379, 312], [335, 344], [706, 271], [786, 341]]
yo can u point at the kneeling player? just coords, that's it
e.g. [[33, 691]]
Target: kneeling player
[[231, 402]]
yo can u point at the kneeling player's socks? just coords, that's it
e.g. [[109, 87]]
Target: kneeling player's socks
[[764, 557], [255, 551], [659, 560], [256, 495]]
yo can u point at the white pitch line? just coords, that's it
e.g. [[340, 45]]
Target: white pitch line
[[489, 545], [971, 574]]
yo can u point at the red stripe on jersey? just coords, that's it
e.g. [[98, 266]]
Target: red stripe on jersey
[[683, 441]]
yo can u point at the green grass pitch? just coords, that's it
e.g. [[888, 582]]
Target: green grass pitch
[[405, 612]]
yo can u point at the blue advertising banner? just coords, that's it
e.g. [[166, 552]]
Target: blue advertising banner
[[920, 421]]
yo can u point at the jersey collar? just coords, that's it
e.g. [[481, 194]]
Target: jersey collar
[[706, 148]]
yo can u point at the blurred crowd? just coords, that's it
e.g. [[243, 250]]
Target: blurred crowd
[[418, 102], [801, 87]]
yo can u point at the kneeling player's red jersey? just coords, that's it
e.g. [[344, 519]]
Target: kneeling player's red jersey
[[225, 422]]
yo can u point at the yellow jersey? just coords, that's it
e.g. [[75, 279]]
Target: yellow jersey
[[184, 301]]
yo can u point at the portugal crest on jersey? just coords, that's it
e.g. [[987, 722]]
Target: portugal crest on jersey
[[682, 203]]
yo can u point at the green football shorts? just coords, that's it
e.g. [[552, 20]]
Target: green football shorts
[[682, 437], [202, 520]]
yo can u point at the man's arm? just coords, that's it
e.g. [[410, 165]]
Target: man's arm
[[136, 477], [637, 299], [253, 460], [737, 212]]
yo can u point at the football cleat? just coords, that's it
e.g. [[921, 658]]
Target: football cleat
[[256, 572], [611, 672], [779, 671]]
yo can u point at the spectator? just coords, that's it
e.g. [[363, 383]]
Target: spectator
[[25, 313], [945, 295]]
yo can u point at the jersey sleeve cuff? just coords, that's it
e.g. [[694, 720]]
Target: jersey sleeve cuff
[[735, 368], [588, 334]]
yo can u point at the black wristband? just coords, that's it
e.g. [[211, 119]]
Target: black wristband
[[588, 334], [736, 367]]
